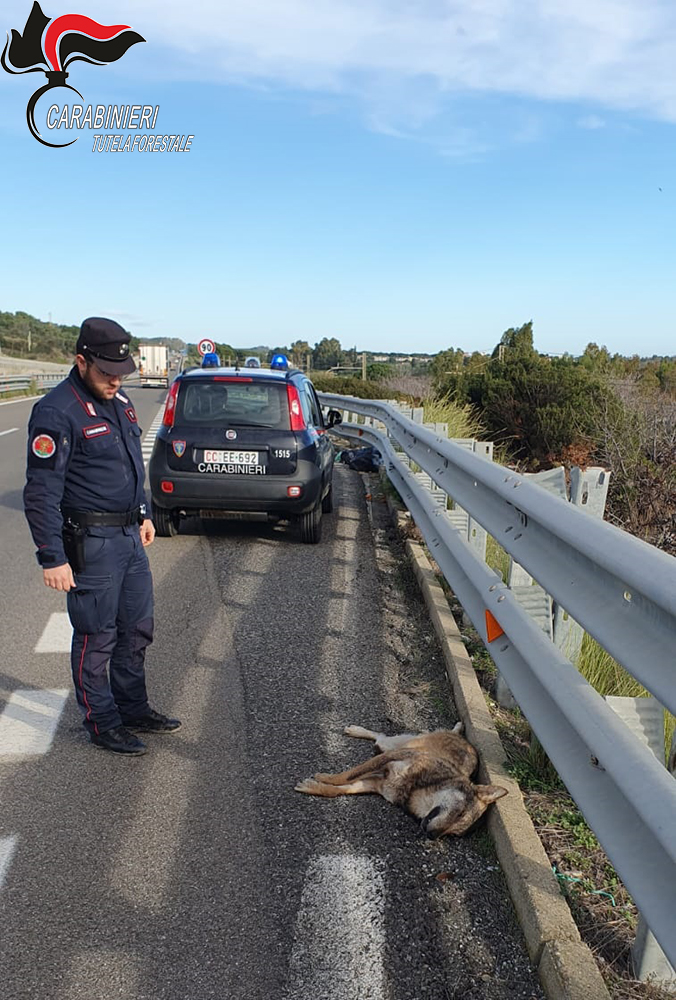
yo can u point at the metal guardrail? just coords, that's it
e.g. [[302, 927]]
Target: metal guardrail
[[622, 590], [24, 383]]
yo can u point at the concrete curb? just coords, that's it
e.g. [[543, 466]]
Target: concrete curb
[[565, 964]]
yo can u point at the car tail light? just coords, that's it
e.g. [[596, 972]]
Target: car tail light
[[167, 486], [170, 406], [295, 410], [294, 491]]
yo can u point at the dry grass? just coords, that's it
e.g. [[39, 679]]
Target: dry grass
[[462, 420]]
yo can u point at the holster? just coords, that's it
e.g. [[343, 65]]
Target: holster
[[74, 545]]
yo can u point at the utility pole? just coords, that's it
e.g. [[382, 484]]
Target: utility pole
[[363, 366]]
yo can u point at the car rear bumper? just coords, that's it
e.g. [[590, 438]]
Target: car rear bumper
[[193, 492]]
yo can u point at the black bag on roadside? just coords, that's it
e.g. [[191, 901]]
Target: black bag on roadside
[[362, 459]]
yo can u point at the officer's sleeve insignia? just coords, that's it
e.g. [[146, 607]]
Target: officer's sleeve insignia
[[42, 450]]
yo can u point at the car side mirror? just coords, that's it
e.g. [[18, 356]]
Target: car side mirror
[[334, 417]]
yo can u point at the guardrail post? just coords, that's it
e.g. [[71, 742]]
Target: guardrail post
[[476, 534], [645, 718], [531, 596], [588, 491]]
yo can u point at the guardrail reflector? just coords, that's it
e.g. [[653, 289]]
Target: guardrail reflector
[[493, 628]]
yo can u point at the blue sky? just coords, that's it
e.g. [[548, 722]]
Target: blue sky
[[407, 175]]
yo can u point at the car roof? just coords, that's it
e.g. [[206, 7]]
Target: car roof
[[259, 374]]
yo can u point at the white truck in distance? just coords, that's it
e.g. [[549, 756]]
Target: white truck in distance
[[153, 365]]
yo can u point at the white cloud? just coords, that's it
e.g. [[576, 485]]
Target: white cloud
[[616, 53], [407, 60]]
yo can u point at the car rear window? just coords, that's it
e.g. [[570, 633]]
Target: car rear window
[[217, 403]]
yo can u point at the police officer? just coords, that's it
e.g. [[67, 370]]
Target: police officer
[[85, 503]]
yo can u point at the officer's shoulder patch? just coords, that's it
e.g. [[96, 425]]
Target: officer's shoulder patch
[[131, 415], [43, 446], [95, 430], [122, 399]]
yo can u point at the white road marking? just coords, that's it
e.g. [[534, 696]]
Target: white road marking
[[57, 635], [29, 721], [339, 939], [148, 441], [19, 399], [7, 847], [10, 431]]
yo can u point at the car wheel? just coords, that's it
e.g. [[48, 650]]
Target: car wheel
[[164, 521], [327, 502], [311, 525]]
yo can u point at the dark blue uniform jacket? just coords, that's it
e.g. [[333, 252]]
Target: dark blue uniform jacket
[[82, 454]]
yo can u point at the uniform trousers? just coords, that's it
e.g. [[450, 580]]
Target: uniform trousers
[[111, 611]]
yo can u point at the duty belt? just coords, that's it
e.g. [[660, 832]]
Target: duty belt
[[103, 518]]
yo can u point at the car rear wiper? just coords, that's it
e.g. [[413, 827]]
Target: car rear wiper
[[243, 423]]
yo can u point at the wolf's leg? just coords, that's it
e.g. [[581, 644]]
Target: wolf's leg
[[359, 733], [363, 786], [376, 765], [383, 743]]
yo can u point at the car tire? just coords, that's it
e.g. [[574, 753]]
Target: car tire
[[327, 502], [164, 521], [311, 525]]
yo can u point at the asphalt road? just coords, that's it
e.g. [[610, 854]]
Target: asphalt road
[[196, 871]]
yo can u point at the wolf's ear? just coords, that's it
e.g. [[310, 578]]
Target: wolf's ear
[[490, 793]]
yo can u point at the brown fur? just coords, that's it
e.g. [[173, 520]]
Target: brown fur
[[428, 774]]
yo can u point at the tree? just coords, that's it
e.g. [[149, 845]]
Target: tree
[[377, 371], [226, 353], [517, 344], [596, 359], [445, 363], [299, 352], [327, 354]]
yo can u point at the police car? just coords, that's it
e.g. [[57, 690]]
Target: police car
[[248, 443]]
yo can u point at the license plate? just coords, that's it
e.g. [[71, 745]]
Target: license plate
[[232, 457]]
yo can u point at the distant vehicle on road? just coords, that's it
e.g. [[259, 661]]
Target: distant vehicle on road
[[153, 365], [243, 443]]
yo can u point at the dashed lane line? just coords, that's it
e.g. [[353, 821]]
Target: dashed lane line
[[149, 440], [29, 721], [10, 431], [7, 846], [339, 940]]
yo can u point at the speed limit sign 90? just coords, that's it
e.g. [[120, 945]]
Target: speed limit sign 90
[[206, 347]]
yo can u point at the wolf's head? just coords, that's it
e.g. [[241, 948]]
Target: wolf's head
[[456, 806]]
